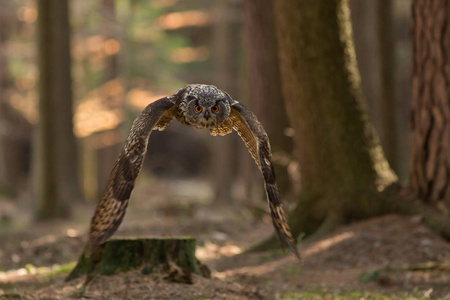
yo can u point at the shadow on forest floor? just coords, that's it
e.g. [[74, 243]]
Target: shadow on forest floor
[[390, 257]]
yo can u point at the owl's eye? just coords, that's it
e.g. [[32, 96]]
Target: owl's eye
[[198, 108], [215, 108]]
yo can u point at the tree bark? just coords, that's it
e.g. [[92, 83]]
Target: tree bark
[[106, 156], [364, 26], [430, 153], [265, 83], [56, 174], [7, 185], [341, 160], [223, 147], [174, 256], [14, 129], [388, 100]]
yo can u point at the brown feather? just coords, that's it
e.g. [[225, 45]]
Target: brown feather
[[255, 138], [113, 204], [222, 129]]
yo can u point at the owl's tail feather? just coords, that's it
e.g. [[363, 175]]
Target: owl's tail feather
[[279, 219]]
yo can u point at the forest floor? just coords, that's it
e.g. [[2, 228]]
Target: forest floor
[[391, 257]]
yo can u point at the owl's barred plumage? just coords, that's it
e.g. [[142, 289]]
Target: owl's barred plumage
[[202, 107]]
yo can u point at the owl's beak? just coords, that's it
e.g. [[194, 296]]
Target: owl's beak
[[206, 115]]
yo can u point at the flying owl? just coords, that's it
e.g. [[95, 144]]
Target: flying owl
[[202, 107]]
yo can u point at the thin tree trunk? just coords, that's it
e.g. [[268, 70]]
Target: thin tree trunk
[[106, 155], [14, 130], [108, 10], [364, 25], [403, 86], [389, 136], [223, 147], [265, 84], [341, 161], [430, 156], [56, 174], [5, 178]]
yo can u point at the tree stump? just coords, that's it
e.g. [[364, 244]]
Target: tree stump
[[173, 256]]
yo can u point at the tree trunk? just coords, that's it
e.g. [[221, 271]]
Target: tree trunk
[[106, 155], [341, 161], [403, 86], [174, 256], [110, 30], [364, 25], [430, 153], [223, 147], [14, 131], [388, 103], [265, 84], [6, 184], [56, 174]]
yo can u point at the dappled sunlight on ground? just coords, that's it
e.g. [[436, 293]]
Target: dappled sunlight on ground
[[210, 251], [327, 243]]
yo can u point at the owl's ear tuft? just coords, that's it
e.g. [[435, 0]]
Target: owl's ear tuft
[[232, 101], [178, 95]]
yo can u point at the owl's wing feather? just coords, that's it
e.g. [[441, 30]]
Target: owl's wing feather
[[113, 204], [255, 138]]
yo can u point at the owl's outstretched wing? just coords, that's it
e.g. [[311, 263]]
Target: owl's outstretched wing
[[255, 138], [113, 204]]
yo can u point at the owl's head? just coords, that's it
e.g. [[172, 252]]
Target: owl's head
[[205, 106]]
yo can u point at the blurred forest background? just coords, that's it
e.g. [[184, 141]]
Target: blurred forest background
[[354, 96], [124, 54]]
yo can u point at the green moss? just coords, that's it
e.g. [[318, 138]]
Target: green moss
[[122, 255], [61, 269]]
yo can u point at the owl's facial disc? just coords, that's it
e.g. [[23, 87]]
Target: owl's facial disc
[[203, 116], [205, 106]]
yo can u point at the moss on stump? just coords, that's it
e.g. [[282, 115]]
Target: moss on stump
[[174, 256]]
